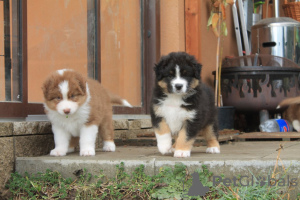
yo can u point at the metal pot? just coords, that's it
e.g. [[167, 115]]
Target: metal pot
[[277, 36]]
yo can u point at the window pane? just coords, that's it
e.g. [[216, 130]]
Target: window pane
[[10, 89], [57, 39], [121, 48]]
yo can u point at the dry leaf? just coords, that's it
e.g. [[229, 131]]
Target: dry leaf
[[214, 23]]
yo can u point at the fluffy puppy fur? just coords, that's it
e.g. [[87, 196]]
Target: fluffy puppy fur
[[292, 113], [78, 108], [182, 106]]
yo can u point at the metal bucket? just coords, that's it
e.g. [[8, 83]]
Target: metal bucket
[[278, 37], [258, 87]]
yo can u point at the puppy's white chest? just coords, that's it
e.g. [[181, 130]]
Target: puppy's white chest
[[73, 123], [170, 109]]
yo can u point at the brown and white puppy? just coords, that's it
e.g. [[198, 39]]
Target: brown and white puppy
[[182, 106], [78, 109], [292, 113]]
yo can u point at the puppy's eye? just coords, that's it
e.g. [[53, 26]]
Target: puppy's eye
[[183, 72], [57, 98], [73, 96], [171, 74]]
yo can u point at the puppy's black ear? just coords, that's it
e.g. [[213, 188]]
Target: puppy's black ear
[[158, 71], [197, 68]]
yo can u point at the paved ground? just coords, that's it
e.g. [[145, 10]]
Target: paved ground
[[238, 155], [236, 159]]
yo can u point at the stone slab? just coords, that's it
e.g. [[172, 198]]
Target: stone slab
[[134, 124], [130, 134], [6, 128], [35, 145], [120, 124], [146, 123], [6, 159], [31, 128]]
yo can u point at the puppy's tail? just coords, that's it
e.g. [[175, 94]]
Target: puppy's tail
[[115, 99], [289, 101]]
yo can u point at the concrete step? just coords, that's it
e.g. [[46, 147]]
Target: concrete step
[[236, 159]]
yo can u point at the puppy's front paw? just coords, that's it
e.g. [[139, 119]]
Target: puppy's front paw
[[109, 146], [182, 154], [213, 150], [164, 143], [164, 149], [58, 152], [87, 152]]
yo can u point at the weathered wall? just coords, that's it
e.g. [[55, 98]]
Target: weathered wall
[[57, 39], [172, 26], [121, 48]]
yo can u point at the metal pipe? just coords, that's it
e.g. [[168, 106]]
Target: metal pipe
[[276, 8]]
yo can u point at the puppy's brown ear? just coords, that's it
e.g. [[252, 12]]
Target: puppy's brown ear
[[45, 87], [81, 80]]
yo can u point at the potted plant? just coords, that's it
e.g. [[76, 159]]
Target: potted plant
[[218, 25]]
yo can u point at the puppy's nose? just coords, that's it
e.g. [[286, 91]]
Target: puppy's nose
[[67, 111], [178, 86]]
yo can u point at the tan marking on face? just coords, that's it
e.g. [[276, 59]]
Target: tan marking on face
[[163, 128], [194, 83], [163, 85], [182, 142]]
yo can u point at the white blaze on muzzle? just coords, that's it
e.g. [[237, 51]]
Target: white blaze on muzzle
[[66, 106], [179, 84]]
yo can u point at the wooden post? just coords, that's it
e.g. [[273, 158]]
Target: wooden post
[[192, 28]]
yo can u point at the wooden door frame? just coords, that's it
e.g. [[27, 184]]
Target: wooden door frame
[[19, 109]]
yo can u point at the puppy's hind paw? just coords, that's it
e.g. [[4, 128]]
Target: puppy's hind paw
[[109, 146], [213, 150]]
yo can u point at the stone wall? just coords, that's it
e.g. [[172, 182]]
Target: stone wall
[[25, 139]]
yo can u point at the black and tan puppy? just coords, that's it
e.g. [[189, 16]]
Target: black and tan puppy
[[182, 106]]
